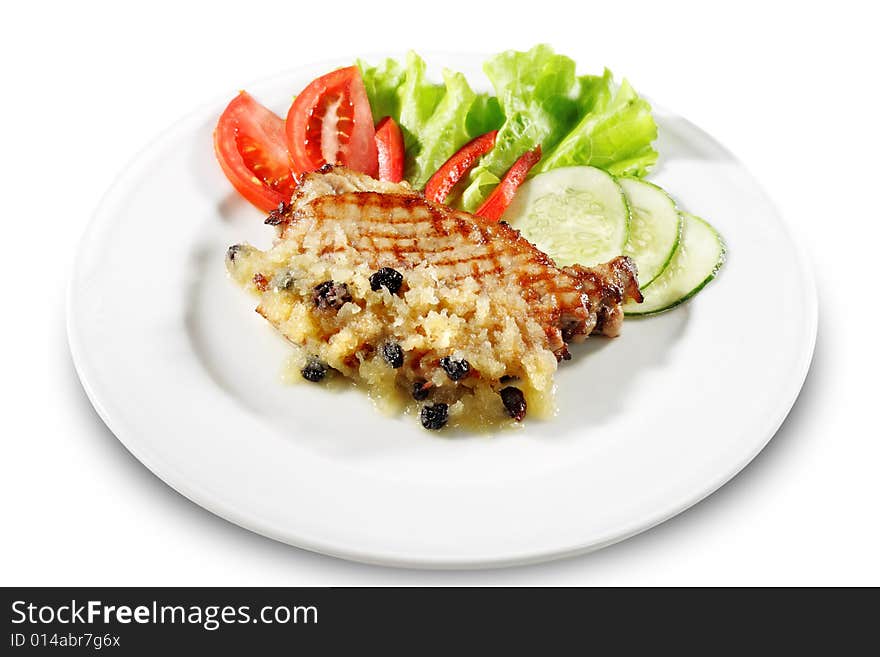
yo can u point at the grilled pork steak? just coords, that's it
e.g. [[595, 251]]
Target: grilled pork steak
[[390, 225], [361, 264]]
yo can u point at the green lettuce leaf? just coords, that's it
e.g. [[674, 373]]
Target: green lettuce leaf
[[436, 119], [616, 136], [537, 91], [484, 116], [444, 132], [577, 120], [418, 99], [382, 84], [539, 99], [479, 185]]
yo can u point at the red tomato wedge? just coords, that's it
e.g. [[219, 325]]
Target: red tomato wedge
[[330, 122], [389, 145], [494, 206], [453, 170], [249, 143]]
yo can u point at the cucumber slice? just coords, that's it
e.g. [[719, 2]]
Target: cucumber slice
[[573, 214], [696, 261], [655, 228]]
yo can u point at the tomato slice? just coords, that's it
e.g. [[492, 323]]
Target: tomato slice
[[494, 206], [390, 149], [330, 122], [249, 143], [453, 170]]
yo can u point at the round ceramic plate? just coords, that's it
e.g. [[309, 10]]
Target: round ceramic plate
[[188, 377]]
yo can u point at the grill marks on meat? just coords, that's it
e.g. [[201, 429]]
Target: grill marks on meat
[[331, 180], [390, 225]]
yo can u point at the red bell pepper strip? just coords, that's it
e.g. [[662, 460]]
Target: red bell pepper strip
[[389, 144], [494, 206], [453, 170]]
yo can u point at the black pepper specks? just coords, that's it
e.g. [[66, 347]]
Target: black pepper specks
[[278, 215], [314, 370], [434, 416], [330, 294], [389, 278], [421, 389], [233, 251], [563, 353], [514, 402], [393, 354], [455, 369], [283, 280]]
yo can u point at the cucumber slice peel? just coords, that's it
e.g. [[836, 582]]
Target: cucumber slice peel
[[700, 254], [655, 229], [573, 214]]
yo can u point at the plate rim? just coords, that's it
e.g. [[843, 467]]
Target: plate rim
[[165, 472]]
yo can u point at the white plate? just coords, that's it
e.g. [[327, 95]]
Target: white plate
[[188, 377]]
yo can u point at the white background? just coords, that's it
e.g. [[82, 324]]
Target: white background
[[793, 92]]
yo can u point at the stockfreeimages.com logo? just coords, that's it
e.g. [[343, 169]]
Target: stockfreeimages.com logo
[[210, 617]]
